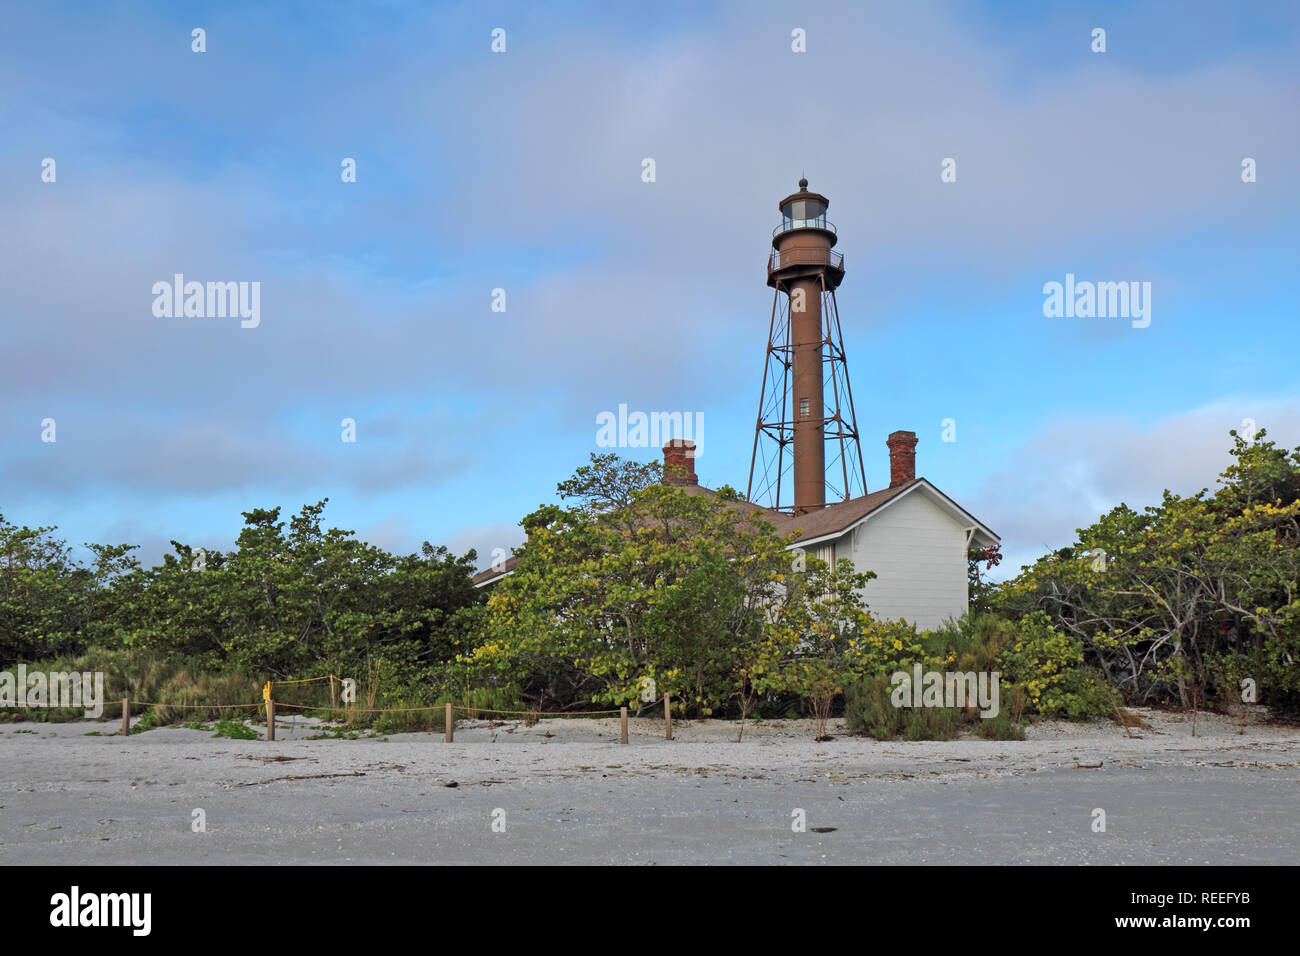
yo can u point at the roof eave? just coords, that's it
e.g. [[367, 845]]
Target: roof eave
[[494, 579], [966, 518]]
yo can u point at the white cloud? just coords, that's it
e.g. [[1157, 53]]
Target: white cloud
[[1071, 471]]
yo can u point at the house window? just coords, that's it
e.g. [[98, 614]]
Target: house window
[[803, 408]]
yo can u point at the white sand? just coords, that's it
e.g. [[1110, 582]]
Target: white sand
[[571, 794]]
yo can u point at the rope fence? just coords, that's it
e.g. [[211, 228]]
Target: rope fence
[[159, 703], [356, 710], [538, 713], [307, 680], [449, 711]]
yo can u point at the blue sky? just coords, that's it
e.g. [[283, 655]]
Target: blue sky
[[522, 171]]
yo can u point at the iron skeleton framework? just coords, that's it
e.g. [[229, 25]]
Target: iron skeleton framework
[[774, 432]]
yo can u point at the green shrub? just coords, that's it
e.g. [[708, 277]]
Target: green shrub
[[1041, 671], [1048, 665], [931, 723], [146, 676], [1007, 725], [868, 709], [974, 643], [235, 730]]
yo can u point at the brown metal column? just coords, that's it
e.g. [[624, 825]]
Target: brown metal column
[[808, 404]]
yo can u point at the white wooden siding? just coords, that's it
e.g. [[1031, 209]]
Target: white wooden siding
[[918, 551]]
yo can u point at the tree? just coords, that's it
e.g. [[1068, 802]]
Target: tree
[[1186, 597], [291, 599], [677, 586], [981, 590], [820, 627], [609, 596], [44, 594]]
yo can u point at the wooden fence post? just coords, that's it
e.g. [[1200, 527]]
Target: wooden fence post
[[126, 717], [668, 717], [622, 719], [451, 722], [270, 719]]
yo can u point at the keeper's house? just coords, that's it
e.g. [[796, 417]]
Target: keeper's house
[[913, 536]]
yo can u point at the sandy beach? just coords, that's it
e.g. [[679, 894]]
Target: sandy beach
[[565, 791]]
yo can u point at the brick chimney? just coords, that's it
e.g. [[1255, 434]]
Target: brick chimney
[[902, 457], [679, 462]]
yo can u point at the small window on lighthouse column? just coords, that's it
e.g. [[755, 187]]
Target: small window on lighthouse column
[[803, 408]]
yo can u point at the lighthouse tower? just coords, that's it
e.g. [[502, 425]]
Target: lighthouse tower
[[806, 441]]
